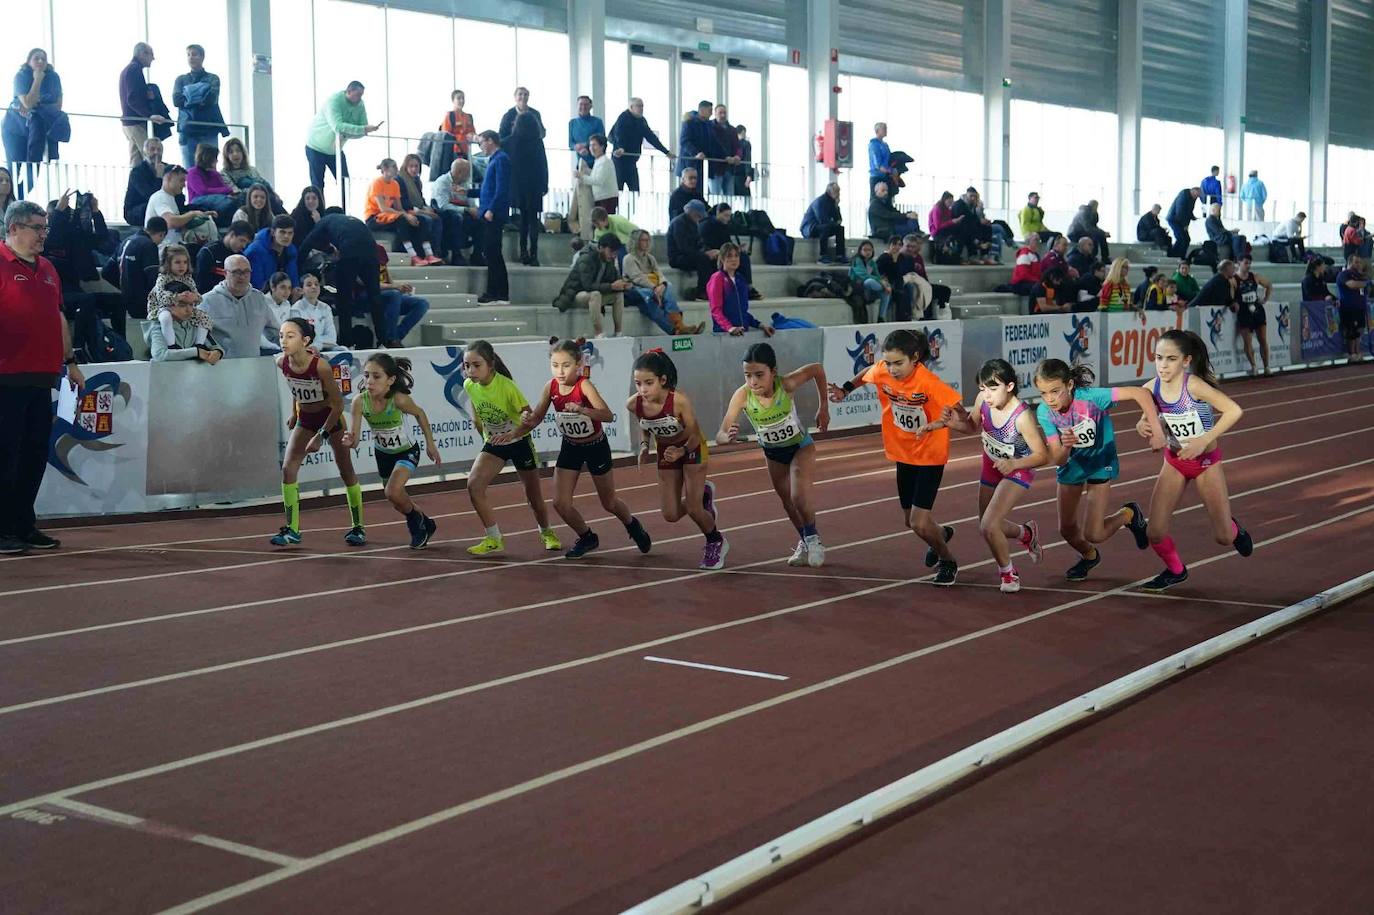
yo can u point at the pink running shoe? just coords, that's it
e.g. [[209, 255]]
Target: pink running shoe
[[1031, 541], [713, 557]]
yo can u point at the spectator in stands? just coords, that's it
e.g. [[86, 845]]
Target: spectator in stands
[[974, 233], [869, 281], [1181, 213], [694, 139], [725, 152], [529, 177], [77, 245], [1188, 287], [728, 294], [1143, 287], [582, 128], [137, 266], [272, 252], [686, 250], [909, 264], [342, 118], [879, 158], [1032, 218], [521, 106], [7, 195], [594, 282], [600, 177], [1352, 290], [349, 242], [235, 168], [887, 268], [619, 226], [1220, 290], [174, 282], [402, 309], [458, 123], [136, 102], [318, 313], [744, 169], [1253, 194], [278, 289], [823, 220], [716, 232], [1085, 223], [196, 95], [1025, 276], [492, 212], [941, 220], [628, 135], [1086, 265], [1211, 186], [1056, 257], [240, 313], [1230, 244], [34, 122], [145, 179], [185, 331], [1314, 288], [1150, 232], [413, 200], [1355, 238], [688, 189], [1290, 233], [452, 193], [1157, 296], [164, 204], [383, 212], [256, 209], [308, 212], [208, 189], [210, 259], [651, 291], [884, 219], [1116, 294]]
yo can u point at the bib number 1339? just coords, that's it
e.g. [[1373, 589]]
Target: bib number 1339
[[908, 417]]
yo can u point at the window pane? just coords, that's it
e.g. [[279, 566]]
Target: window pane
[[337, 27], [649, 81], [170, 30], [617, 83], [87, 53], [1283, 166], [293, 104], [746, 99], [1350, 175], [1174, 156], [23, 30], [1065, 182], [788, 147], [542, 67], [417, 43], [698, 84], [486, 69]]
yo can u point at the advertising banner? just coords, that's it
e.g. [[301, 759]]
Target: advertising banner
[[1130, 342], [849, 349], [1321, 331], [1028, 341]]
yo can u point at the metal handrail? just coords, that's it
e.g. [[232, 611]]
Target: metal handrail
[[119, 117]]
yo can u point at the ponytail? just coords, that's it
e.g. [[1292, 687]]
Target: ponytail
[[911, 342], [1193, 349], [569, 347], [657, 361], [489, 354], [396, 369], [999, 371], [1080, 376]]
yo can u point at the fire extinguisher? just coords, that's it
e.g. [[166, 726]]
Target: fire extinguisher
[[1230, 184], [820, 146]]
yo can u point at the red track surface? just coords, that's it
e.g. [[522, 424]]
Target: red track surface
[[385, 731]]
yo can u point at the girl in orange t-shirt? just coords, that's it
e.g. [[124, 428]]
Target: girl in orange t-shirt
[[383, 211], [913, 397]]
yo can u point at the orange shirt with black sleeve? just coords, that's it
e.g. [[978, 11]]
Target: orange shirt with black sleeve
[[910, 404]]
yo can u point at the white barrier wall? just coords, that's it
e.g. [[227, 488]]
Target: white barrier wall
[[849, 349], [1028, 341]]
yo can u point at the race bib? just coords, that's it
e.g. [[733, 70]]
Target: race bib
[[785, 430], [574, 425], [1250, 297], [1084, 433], [1182, 426], [390, 439], [908, 417], [998, 450], [502, 428], [661, 426], [306, 390]]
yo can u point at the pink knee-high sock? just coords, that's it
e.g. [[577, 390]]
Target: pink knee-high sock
[[1169, 553], [1235, 529]]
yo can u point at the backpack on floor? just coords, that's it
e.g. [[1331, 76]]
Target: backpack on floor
[[760, 226], [777, 248], [1207, 254], [1278, 252], [947, 250]]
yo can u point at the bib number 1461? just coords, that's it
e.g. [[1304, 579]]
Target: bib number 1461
[[908, 418]]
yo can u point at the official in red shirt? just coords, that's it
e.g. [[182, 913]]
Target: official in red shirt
[[34, 344]]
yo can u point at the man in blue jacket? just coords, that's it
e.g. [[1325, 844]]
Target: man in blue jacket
[[272, 250], [694, 139], [1211, 186], [492, 211], [879, 156], [1179, 216], [824, 221], [582, 128], [197, 95]]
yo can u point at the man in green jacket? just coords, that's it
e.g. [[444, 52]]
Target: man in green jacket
[[342, 118], [1033, 219], [595, 282]]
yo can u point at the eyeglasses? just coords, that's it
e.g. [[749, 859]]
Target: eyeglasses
[[38, 229], [237, 272]]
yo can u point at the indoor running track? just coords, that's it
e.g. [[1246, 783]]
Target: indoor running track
[[190, 720]]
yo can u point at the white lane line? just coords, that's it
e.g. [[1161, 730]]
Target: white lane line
[[164, 830], [442, 816], [1179, 597], [724, 670], [638, 486]]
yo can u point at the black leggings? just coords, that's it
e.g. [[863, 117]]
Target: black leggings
[[528, 224], [417, 234]]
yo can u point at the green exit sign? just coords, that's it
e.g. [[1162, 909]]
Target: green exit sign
[[681, 344], [703, 46]]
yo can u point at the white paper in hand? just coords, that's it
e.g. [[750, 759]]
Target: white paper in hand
[[66, 400]]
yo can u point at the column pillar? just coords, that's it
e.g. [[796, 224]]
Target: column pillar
[[1235, 40], [1129, 101], [1319, 118], [249, 71], [822, 75], [587, 58], [996, 105]]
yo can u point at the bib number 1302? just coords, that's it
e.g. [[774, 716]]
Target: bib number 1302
[[908, 418]]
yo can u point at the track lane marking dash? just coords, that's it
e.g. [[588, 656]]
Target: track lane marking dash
[[724, 670]]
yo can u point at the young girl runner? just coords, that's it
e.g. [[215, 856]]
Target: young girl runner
[[1184, 390], [913, 397], [766, 398], [497, 406], [580, 410], [665, 413], [318, 417], [1081, 442], [1012, 448], [385, 402]]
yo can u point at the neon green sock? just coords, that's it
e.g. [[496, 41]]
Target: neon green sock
[[291, 500], [355, 503]]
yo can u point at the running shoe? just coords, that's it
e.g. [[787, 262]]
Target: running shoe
[[713, 557], [815, 551], [798, 557], [946, 573], [1163, 580], [708, 499], [1138, 526], [356, 537], [1080, 569], [1011, 582], [933, 557], [639, 535], [11, 547], [1031, 541], [286, 537], [584, 545], [37, 540], [419, 538], [550, 540], [1243, 544], [487, 546]]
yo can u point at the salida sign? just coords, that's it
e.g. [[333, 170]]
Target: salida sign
[[1131, 339]]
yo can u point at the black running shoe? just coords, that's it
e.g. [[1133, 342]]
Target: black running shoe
[[584, 545], [1163, 580], [1243, 544], [947, 573], [933, 557], [1080, 569], [639, 535], [1138, 526], [37, 540], [419, 538]]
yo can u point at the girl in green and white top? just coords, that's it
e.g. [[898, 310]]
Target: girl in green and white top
[[497, 409], [385, 402], [766, 398]]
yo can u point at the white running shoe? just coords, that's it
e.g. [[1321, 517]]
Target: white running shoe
[[815, 551], [1011, 582], [1032, 542], [798, 557]]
